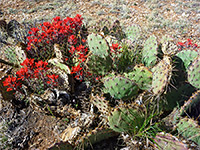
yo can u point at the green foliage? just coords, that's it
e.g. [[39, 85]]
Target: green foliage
[[126, 120], [161, 75], [167, 141], [101, 104], [99, 65], [128, 58], [193, 102], [193, 73], [187, 56], [133, 33], [149, 53], [141, 76], [62, 66], [120, 87], [189, 129], [98, 45]]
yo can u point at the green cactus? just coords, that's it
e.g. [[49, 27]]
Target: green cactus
[[166, 141], [120, 87], [149, 53], [162, 73], [10, 54], [141, 76], [133, 33], [60, 65], [193, 73], [191, 104], [187, 56], [125, 119], [101, 104], [98, 45], [98, 65], [189, 129]]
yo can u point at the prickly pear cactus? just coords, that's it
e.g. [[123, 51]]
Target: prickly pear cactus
[[98, 65], [98, 45], [120, 87], [101, 104], [162, 73], [191, 104], [126, 119], [142, 76], [193, 73], [149, 53], [9, 53], [187, 56], [133, 33], [60, 65], [169, 48], [167, 141], [189, 129]]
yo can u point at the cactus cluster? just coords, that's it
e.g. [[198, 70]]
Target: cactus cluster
[[120, 87], [142, 76], [132, 95], [125, 119]]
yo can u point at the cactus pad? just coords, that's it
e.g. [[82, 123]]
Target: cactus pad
[[187, 56], [161, 75], [192, 104], [120, 87], [189, 129], [101, 104], [60, 65], [194, 73], [169, 48], [133, 32], [149, 53], [98, 65], [98, 45], [141, 76], [168, 142], [125, 119]]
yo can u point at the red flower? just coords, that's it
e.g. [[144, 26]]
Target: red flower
[[72, 40], [76, 69], [11, 82], [28, 63], [52, 78], [22, 73]]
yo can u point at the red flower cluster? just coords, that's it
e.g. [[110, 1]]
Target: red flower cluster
[[115, 48], [187, 45], [30, 70], [59, 31], [12, 83], [65, 33]]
